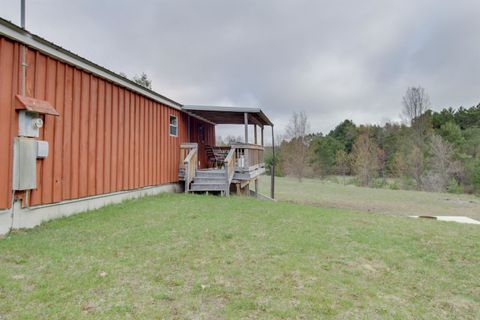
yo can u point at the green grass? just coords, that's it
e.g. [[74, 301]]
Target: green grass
[[328, 194], [177, 256]]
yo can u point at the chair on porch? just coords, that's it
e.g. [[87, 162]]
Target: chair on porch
[[215, 156]]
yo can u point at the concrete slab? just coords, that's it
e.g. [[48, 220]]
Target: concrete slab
[[459, 219]]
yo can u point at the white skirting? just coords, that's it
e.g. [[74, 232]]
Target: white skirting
[[33, 216]]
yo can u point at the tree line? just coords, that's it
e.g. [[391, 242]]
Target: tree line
[[431, 151]]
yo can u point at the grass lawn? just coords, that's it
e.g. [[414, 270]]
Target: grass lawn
[[178, 256], [398, 202]]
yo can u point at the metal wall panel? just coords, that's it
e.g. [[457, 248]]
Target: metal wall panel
[[8, 124], [106, 139]]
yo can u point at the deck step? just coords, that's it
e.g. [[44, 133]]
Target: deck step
[[209, 180], [207, 186], [215, 179], [210, 173]]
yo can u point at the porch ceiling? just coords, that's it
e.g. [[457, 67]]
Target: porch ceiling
[[229, 115]]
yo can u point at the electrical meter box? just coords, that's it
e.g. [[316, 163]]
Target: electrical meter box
[[29, 124], [24, 164]]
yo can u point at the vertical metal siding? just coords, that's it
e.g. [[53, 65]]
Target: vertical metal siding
[[8, 72], [106, 139]]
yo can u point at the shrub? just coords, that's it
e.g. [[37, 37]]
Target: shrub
[[395, 185], [454, 187], [379, 183]]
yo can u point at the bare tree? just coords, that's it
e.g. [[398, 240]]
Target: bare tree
[[298, 126], [296, 151], [442, 166], [415, 102], [342, 163], [415, 165], [365, 161], [228, 140], [143, 80]]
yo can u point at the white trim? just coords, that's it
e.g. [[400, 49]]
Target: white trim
[[34, 216], [221, 108]]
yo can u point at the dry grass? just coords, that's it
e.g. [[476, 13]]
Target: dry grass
[[329, 194]]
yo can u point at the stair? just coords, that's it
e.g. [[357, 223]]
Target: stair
[[209, 180]]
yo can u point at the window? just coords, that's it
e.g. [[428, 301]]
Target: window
[[173, 126]]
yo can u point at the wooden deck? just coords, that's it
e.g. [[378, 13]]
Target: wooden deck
[[243, 165]]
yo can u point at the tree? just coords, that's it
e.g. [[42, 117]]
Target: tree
[[298, 126], [472, 142], [364, 158], [382, 161], [452, 133], [296, 149], [442, 117], [415, 102], [415, 165], [442, 166], [476, 176], [342, 163], [270, 161], [468, 118], [228, 140], [398, 165], [143, 80], [422, 128], [324, 154], [345, 133]]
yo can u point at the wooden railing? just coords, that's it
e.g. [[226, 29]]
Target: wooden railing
[[249, 156], [188, 162], [230, 162]]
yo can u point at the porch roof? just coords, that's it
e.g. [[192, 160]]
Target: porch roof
[[229, 115]]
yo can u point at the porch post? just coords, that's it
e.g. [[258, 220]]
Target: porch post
[[262, 136], [188, 128], [245, 119], [255, 134], [272, 169]]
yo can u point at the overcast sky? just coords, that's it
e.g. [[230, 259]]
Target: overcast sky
[[332, 59]]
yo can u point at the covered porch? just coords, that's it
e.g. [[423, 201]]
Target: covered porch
[[232, 168]]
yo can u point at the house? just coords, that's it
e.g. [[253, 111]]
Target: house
[[75, 136]]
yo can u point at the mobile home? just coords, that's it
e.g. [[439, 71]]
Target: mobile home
[[75, 136]]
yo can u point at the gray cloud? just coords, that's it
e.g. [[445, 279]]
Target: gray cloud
[[332, 59]]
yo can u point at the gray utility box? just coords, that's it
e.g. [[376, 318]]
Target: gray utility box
[[29, 124], [42, 149], [24, 164]]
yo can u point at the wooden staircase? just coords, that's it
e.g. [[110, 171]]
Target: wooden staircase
[[243, 161], [209, 180]]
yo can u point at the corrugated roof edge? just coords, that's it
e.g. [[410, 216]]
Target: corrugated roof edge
[[14, 32], [229, 109]]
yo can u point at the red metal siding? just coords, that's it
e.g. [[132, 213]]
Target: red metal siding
[[106, 139], [8, 84]]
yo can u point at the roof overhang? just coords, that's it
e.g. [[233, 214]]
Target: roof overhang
[[229, 115], [35, 105]]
